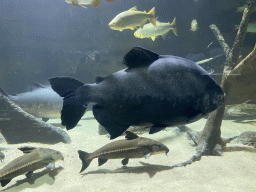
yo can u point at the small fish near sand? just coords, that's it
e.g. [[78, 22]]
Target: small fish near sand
[[161, 29], [151, 92], [132, 18], [131, 147], [194, 25], [33, 159]]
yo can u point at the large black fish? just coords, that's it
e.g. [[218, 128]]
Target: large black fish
[[155, 90]]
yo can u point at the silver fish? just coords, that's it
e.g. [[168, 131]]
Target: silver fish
[[42, 102]]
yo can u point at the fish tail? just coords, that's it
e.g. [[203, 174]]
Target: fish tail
[[85, 160], [174, 22], [174, 29], [75, 99], [153, 16]]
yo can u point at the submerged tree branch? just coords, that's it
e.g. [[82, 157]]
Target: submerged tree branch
[[210, 142]]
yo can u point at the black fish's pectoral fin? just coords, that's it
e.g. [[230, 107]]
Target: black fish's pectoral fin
[[130, 135], [29, 174], [51, 165], [45, 119], [138, 57], [125, 161], [194, 118], [114, 126], [147, 155], [102, 161], [156, 128], [27, 149], [5, 182]]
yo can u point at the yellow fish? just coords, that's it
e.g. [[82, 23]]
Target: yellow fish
[[161, 29], [194, 25], [132, 18], [76, 3]]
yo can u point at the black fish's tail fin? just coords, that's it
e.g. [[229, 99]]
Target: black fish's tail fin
[[3, 92], [85, 160], [75, 99]]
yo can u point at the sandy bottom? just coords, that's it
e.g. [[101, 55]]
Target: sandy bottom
[[234, 171]]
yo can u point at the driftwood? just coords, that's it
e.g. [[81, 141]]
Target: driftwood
[[17, 126], [210, 141]]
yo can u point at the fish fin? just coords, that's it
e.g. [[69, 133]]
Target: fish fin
[[85, 160], [73, 105], [156, 128], [45, 119], [194, 118], [153, 38], [27, 149], [95, 3], [130, 135], [99, 79], [114, 126], [38, 85], [132, 28], [147, 155], [3, 92], [134, 8], [164, 35], [64, 85], [153, 18], [138, 57], [29, 174], [51, 165], [102, 161], [5, 182], [174, 21], [83, 6], [175, 31], [125, 161], [142, 25]]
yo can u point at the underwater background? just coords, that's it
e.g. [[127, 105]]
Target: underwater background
[[46, 38], [40, 39]]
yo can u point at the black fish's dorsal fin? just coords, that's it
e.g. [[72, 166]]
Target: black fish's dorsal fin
[[138, 57], [27, 149], [99, 79], [130, 135]]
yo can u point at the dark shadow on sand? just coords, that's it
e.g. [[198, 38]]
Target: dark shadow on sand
[[239, 148], [150, 169], [37, 179]]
